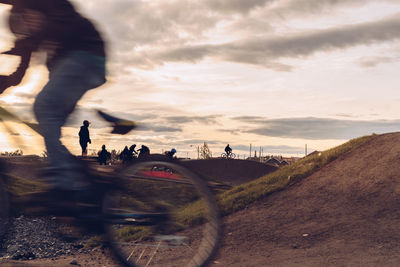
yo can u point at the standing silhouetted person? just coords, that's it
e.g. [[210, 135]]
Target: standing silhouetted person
[[76, 60], [84, 137], [104, 155]]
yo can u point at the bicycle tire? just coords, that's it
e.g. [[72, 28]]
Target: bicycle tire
[[224, 155], [175, 240], [4, 211], [232, 155]]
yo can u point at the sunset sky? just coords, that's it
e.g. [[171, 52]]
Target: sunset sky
[[277, 74]]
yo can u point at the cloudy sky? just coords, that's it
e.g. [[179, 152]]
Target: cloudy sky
[[277, 74]]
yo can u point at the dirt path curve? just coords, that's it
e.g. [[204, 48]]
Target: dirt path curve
[[346, 214]]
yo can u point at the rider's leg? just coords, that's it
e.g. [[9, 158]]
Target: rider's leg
[[74, 75], [84, 149]]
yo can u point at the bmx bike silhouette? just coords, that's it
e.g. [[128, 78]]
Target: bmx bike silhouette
[[143, 211], [228, 155]]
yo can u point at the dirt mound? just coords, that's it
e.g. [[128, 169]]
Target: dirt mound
[[229, 171], [346, 214]]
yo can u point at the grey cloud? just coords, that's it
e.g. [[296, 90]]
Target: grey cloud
[[239, 6], [318, 6], [155, 23], [230, 131], [321, 128], [211, 119], [250, 119], [311, 6], [264, 51], [157, 128], [369, 62], [197, 142], [146, 34], [345, 115], [81, 113]]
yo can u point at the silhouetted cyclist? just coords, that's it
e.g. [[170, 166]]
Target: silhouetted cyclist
[[132, 150], [126, 155], [144, 151], [228, 150], [84, 137], [104, 155], [76, 63], [171, 153]]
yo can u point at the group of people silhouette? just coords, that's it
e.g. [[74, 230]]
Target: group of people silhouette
[[127, 154]]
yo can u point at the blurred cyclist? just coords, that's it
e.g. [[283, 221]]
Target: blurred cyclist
[[76, 63]]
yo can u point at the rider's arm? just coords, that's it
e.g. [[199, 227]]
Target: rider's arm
[[16, 77]]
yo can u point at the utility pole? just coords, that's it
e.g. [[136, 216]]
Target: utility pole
[[250, 151]]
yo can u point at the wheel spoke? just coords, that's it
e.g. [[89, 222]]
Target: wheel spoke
[[162, 228]]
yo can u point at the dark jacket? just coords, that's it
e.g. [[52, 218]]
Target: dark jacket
[[84, 135], [63, 30]]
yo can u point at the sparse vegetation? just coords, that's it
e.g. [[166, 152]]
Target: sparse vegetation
[[17, 152], [240, 197], [205, 152]]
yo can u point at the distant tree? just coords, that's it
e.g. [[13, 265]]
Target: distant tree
[[205, 152], [17, 152]]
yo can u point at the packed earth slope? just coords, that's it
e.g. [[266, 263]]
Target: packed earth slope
[[229, 171], [345, 214]]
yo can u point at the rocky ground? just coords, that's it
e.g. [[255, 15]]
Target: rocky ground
[[39, 237]]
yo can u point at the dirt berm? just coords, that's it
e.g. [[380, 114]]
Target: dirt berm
[[346, 214], [229, 171]]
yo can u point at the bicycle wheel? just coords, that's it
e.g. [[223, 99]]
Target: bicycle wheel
[[224, 155], [232, 155], [4, 208], [161, 219]]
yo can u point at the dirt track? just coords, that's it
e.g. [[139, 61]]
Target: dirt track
[[346, 214], [229, 171]]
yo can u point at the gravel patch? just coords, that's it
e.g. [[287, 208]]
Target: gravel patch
[[38, 237]]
